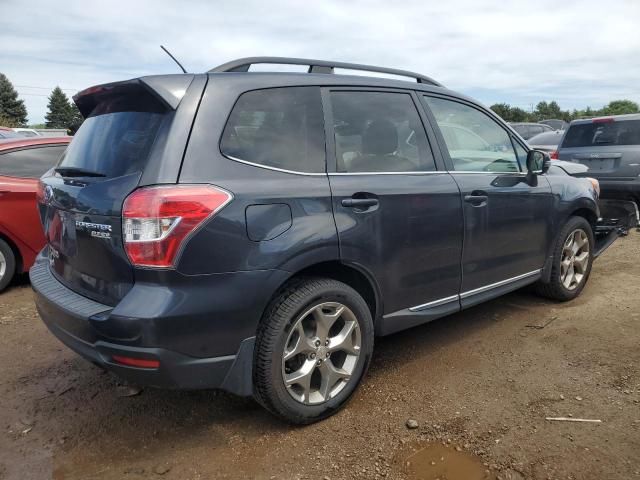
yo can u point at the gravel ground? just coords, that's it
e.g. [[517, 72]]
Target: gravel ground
[[479, 385]]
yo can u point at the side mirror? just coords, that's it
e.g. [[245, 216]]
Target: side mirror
[[537, 162]]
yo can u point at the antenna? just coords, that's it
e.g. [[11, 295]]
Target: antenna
[[173, 58]]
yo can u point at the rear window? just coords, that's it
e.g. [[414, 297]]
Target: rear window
[[30, 162], [626, 132], [118, 135], [278, 127], [547, 138]]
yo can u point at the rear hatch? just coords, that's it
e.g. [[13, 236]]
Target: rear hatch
[[80, 201], [609, 147]]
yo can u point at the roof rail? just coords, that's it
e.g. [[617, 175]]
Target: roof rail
[[317, 66]]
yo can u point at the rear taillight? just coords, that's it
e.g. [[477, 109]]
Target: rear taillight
[[554, 155], [157, 221]]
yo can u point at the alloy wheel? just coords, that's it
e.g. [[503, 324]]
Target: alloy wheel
[[321, 353], [575, 259]]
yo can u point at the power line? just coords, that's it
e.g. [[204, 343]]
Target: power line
[[47, 88], [34, 94]]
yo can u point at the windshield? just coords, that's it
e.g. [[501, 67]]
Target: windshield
[[116, 139], [603, 133]]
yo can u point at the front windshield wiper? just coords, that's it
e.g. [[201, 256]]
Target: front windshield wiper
[[77, 172]]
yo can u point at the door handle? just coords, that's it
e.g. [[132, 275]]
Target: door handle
[[359, 202], [476, 200]]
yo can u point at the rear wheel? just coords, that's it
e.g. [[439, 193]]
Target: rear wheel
[[572, 260], [7, 264], [313, 347]]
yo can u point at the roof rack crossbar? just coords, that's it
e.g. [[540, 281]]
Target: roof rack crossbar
[[317, 66]]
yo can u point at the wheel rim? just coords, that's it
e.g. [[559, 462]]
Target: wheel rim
[[575, 259], [321, 353], [3, 265]]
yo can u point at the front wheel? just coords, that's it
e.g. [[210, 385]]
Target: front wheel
[[572, 260], [313, 347]]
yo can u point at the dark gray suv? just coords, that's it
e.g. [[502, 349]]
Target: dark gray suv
[[610, 148], [255, 231]]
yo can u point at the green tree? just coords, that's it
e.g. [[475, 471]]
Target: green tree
[[620, 107], [76, 118], [59, 114], [503, 110], [509, 113], [13, 113]]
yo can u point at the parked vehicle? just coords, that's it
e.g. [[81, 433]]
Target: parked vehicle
[[260, 245], [22, 162], [7, 133], [610, 148], [555, 124], [547, 142], [27, 132], [528, 130]]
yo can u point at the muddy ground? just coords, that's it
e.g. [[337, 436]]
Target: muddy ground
[[481, 381]]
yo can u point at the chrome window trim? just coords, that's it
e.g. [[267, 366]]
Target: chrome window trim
[[276, 169], [426, 172], [475, 291], [519, 174], [491, 286], [434, 303]]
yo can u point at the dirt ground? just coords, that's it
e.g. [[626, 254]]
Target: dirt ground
[[479, 384]]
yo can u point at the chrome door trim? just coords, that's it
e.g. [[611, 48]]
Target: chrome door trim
[[276, 169], [434, 303], [430, 172], [501, 283], [475, 291]]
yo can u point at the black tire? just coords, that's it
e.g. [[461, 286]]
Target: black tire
[[275, 327], [9, 264], [555, 289]]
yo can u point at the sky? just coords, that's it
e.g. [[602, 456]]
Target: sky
[[579, 53]]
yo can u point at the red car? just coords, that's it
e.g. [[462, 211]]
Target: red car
[[22, 162]]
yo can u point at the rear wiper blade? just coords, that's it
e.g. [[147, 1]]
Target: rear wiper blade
[[77, 172]]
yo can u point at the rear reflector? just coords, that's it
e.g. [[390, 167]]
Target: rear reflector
[[136, 362], [158, 221]]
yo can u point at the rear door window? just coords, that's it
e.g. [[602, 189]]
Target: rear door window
[[379, 132], [604, 133], [30, 162], [279, 128], [117, 137]]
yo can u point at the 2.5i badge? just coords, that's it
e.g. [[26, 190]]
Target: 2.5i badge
[[98, 230]]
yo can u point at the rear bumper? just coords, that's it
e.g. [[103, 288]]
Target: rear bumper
[[94, 332]]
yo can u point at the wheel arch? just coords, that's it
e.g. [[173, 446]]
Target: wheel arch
[[586, 213], [356, 276]]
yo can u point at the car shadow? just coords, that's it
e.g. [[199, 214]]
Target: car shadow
[[78, 404]]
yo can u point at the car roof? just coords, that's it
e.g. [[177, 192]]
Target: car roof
[[256, 80], [10, 143], [617, 118]]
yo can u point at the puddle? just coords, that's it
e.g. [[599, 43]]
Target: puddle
[[434, 461]]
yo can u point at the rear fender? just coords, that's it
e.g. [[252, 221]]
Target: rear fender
[[25, 256]]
